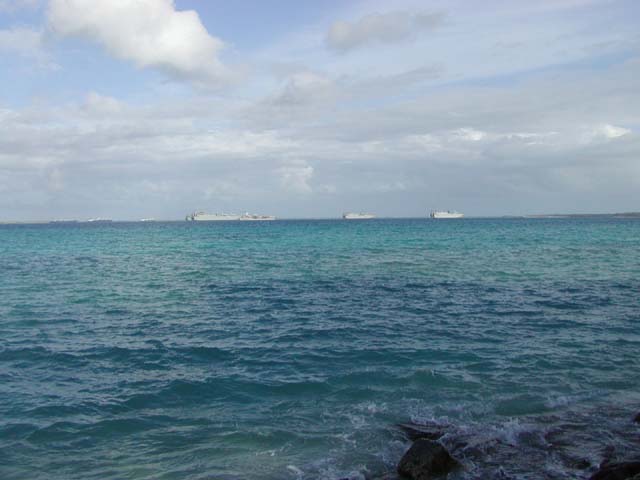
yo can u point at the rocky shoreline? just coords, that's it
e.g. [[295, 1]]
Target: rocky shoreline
[[438, 452]]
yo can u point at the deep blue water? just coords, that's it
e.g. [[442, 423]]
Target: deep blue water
[[289, 349]]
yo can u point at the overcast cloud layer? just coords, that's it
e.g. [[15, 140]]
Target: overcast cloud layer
[[137, 109], [388, 27]]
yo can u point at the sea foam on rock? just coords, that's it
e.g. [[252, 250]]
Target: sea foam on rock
[[425, 460]]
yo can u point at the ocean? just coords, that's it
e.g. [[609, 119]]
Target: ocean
[[292, 349]]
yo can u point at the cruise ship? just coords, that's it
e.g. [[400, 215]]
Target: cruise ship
[[216, 217], [211, 217], [358, 216], [447, 214]]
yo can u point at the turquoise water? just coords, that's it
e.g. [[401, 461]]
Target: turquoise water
[[289, 349]]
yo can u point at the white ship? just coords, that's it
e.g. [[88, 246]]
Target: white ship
[[250, 217], [358, 216], [447, 214], [216, 217], [99, 220], [211, 217]]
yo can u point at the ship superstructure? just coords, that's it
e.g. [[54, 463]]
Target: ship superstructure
[[445, 214], [358, 216], [250, 217]]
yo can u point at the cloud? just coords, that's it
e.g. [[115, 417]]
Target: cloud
[[389, 136], [104, 157], [381, 28], [149, 33], [27, 43], [470, 134], [611, 131], [295, 176], [11, 6], [102, 105], [303, 88]]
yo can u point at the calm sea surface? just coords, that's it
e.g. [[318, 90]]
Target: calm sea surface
[[290, 349]]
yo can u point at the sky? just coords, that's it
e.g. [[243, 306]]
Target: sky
[[130, 109]]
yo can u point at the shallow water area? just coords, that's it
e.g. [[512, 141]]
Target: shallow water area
[[290, 349]]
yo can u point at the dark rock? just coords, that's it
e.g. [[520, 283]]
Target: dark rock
[[637, 418], [581, 464], [617, 471], [416, 432], [500, 474], [426, 459], [608, 454], [459, 445]]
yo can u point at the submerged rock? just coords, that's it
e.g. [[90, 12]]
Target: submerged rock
[[416, 432], [617, 471], [426, 459]]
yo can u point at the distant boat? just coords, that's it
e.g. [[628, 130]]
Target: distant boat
[[358, 216], [63, 221], [99, 220], [447, 214], [147, 219]]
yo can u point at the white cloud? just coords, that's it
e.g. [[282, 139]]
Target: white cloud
[[601, 133], [21, 40], [102, 105], [27, 43], [15, 5], [470, 134], [55, 180], [390, 27], [304, 87], [611, 131], [295, 176], [223, 189], [149, 33]]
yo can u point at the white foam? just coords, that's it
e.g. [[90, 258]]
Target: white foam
[[292, 468]]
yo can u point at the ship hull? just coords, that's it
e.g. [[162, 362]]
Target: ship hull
[[358, 216]]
